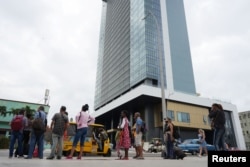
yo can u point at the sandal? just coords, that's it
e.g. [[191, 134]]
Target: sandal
[[68, 157], [135, 156], [124, 158]]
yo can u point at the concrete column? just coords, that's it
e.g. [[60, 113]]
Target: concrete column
[[149, 120]]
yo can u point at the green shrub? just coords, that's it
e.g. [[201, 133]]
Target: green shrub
[[4, 142]]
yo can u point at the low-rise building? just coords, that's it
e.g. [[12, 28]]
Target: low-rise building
[[7, 115], [245, 125]]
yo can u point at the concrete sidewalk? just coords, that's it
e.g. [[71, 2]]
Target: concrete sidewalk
[[96, 161]]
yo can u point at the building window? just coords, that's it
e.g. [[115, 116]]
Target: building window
[[244, 116], [205, 119], [170, 114], [183, 117]]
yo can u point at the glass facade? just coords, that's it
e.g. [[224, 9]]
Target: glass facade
[[114, 54], [144, 61], [131, 41], [182, 69]]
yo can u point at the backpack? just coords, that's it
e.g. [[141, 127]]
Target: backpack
[[17, 123], [143, 127], [38, 124]]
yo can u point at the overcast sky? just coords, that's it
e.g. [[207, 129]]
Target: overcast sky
[[53, 44]]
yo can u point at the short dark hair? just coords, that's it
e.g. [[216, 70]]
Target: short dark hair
[[28, 115], [41, 108], [125, 112], [63, 108], [22, 111]]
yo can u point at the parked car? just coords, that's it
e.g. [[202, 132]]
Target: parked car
[[192, 146]]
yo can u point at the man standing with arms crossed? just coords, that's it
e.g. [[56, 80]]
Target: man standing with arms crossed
[[58, 125]]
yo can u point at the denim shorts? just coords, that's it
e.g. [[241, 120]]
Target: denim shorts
[[80, 135]]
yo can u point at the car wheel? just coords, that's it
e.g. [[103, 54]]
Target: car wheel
[[163, 154], [108, 154], [193, 152]]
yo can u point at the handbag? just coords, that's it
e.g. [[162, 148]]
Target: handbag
[[212, 124]]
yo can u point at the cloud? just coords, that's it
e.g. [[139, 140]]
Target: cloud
[[49, 45], [219, 34]]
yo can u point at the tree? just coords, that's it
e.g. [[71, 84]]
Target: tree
[[3, 111], [14, 111]]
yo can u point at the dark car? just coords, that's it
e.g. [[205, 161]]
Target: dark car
[[192, 146]]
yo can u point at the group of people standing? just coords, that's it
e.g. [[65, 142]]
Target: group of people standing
[[59, 125], [25, 135]]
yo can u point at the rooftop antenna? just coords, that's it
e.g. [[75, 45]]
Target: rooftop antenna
[[46, 97]]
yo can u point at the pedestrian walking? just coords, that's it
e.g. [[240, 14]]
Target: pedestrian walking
[[202, 141]]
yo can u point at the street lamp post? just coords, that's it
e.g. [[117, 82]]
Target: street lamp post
[[163, 100]]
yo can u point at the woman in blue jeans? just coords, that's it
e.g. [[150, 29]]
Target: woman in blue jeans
[[83, 119], [218, 116]]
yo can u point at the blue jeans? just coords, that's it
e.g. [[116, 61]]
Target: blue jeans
[[16, 135], [80, 135], [219, 139], [39, 140], [170, 147]]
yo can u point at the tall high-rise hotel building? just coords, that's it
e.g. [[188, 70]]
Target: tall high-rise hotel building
[[133, 36]]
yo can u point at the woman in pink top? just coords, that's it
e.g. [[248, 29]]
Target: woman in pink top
[[83, 119]]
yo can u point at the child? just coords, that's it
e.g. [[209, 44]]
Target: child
[[118, 139]]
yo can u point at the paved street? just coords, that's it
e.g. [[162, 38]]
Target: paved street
[[151, 160]]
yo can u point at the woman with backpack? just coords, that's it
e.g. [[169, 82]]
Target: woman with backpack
[[17, 124]]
